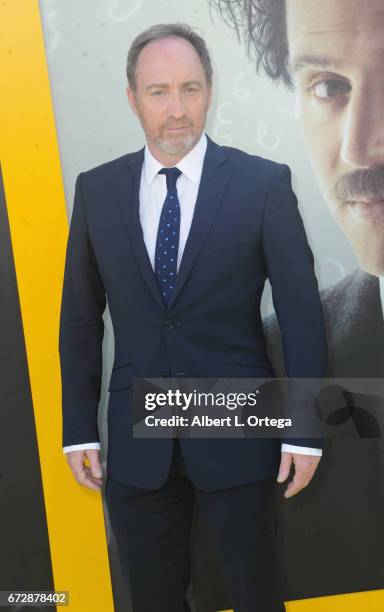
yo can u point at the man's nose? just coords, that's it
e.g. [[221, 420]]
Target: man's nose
[[363, 129], [176, 106]]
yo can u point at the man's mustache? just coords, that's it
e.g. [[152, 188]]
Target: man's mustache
[[170, 125], [361, 185]]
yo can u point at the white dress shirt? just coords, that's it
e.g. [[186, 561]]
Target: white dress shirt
[[153, 190]]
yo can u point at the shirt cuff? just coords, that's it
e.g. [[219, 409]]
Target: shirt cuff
[[301, 450], [74, 447]]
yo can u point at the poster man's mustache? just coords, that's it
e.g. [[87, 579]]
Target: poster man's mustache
[[362, 185]]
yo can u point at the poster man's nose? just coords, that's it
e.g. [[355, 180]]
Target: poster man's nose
[[363, 131]]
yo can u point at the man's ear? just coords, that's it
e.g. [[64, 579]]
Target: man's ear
[[131, 99]]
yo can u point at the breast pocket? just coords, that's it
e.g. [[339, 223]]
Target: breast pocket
[[223, 245], [121, 377]]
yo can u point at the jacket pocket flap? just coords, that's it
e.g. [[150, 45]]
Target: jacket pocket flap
[[246, 370], [121, 377]]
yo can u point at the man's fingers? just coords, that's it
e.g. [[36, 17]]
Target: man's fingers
[[91, 484], [90, 481], [94, 461], [85, 478], [295, 485], [90, 477], [305, 467], [285, 466]]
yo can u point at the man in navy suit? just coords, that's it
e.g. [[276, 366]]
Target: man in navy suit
[[180, 238]]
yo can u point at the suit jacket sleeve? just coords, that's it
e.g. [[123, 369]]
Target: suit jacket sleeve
[[81, 331], [295, 293]]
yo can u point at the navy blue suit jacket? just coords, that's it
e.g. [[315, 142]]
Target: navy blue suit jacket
[[246, 228]]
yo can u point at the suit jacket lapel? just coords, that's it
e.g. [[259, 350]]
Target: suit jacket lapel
[[129, 202], [214, 179]]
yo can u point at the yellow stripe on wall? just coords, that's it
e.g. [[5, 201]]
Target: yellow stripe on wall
[[368, 601], [39, 227]]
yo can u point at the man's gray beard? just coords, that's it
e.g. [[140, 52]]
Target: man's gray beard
[[175, 148]]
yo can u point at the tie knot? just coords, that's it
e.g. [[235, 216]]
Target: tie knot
[[171, 174]]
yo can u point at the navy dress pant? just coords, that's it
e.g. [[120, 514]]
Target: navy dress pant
[[152, 531]]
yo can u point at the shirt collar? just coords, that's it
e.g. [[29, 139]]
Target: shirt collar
[[191, 165]]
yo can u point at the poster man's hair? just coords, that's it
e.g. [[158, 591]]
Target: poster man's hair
[[263, 27]]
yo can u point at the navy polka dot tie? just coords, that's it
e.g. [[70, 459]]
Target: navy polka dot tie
[[167, 242]]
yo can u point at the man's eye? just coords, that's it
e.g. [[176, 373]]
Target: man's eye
[[330, 88], [191, 89], [157, 93]]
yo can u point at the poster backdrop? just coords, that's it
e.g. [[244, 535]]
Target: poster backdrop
[[331, 134]]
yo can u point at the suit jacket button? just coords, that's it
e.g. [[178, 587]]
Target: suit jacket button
[[168, 324], [163, 374]]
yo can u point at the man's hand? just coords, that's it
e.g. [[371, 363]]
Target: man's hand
[[305, 467], [92, 476]]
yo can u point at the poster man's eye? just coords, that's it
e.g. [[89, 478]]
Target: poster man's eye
[[330, 88]]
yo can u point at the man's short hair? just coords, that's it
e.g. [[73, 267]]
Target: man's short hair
[[167, 30], [263, 26]]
